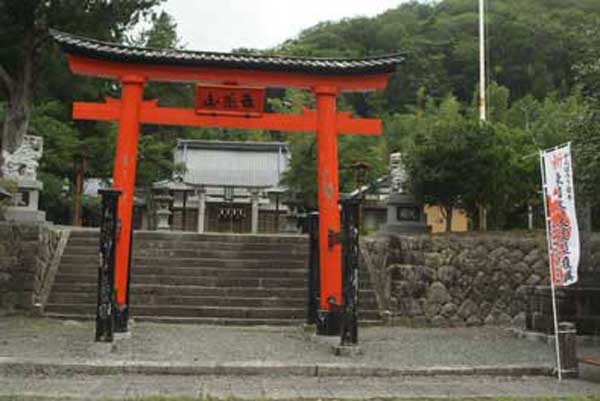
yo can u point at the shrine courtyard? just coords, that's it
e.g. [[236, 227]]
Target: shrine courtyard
[[59, 359]]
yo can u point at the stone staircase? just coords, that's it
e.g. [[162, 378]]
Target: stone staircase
[[198, 278]]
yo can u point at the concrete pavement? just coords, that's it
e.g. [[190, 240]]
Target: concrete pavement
[[59, 359]]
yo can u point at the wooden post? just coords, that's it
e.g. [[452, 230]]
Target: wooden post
[[330, 257], [201, 192], [124, 180], [254, 198]]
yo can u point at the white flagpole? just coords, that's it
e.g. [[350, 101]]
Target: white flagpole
[[554, 309], [482, 84]]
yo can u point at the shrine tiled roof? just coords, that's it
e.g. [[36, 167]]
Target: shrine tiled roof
[[96, 49]]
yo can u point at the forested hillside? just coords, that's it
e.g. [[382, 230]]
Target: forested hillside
[[543, 73], [543, 68], [533, 46]]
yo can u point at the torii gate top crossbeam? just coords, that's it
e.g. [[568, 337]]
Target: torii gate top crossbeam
[[98, 58]]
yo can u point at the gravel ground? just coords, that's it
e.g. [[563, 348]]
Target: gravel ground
[[262, 388], [48, 339]]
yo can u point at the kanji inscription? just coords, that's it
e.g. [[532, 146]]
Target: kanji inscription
[[229, 99]]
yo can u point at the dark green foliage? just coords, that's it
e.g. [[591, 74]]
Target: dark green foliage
[[56, 198]]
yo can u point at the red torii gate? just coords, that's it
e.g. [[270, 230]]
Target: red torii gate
[[325, 77]]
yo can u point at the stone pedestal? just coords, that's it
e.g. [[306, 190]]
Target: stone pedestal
[[405, 215], [26, 202]]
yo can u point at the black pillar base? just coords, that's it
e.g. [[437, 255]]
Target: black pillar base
[[121, 320], [328, 323], [349, 330], [105, 326]]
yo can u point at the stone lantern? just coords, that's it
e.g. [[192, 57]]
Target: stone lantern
[[163, 212], [404, 213]]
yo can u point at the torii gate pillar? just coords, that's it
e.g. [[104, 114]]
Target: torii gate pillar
[[132, 87], [330, 255]]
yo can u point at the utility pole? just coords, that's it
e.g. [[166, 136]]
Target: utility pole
[[482, 94], [482, 84]]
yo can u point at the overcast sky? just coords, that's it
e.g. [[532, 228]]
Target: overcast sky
[[223, 25]]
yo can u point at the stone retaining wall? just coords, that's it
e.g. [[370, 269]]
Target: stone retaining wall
[[29, 256], [460, 279]]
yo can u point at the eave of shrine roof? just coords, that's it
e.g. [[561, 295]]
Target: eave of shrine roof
[[233, 145], [96, 49]]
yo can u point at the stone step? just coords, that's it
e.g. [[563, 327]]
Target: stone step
[[84, 233], [89, 242], [199, 300], [191, 262], [280, 253], [194, 271], [178, 236], [201, 311], [202, 278], [187, 290], [300, 246], [195, 250], [175, 299], [207, 281], [218, 321], [214, 237], [192, 290], [191, 311], [84, 277]]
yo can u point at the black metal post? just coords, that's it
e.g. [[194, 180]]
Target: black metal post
[[313, 268], [105, 302], [329, 321], [122, 313], [350, 261]]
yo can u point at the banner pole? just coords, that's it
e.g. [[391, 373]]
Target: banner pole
[[554, 309]]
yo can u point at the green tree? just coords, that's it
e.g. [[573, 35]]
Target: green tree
[[454, 161], [585, 130], [25, 47]]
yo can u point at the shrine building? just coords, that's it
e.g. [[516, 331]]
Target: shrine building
[[227, 186]]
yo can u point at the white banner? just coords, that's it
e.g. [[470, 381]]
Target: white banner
[[562, 230]]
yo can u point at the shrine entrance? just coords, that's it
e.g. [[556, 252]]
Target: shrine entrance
[[230, 94]]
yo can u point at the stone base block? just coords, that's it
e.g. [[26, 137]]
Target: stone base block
[[15, 213]]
